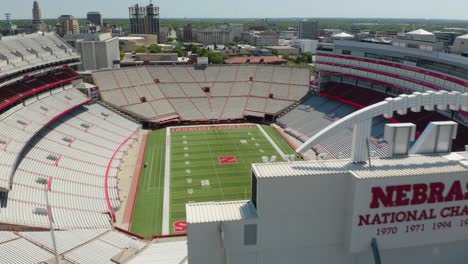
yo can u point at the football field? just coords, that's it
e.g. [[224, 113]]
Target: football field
[[199, 164]]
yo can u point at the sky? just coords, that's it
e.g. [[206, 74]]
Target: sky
[[431, 9]]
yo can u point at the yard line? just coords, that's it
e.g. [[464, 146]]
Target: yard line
[[167, 184], [151, 168], [212, 163], [271, 141]]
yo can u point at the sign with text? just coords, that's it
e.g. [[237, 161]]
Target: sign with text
[[409, 211]]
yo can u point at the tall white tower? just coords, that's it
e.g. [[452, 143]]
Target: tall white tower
[[37, 22]]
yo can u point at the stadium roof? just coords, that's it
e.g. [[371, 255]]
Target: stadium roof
[[220, 211], [342, 35], [420, 32], [381, 167], [463, 37]]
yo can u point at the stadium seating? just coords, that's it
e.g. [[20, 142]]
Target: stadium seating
[[75, 156], [159, 93], [25, 52], [76, 246], [13, 93]]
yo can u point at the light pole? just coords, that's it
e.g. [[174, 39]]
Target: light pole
[[51, 221]]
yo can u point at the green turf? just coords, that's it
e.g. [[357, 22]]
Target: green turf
[[194, 157], [147, 215]]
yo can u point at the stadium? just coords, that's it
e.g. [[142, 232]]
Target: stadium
[[233, 163]]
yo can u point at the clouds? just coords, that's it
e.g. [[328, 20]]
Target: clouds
[[451, 9]]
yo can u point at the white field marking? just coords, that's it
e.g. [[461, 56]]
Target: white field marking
[[186, 155], [186, 148], [189, 180], [271, 141], [167, 184], [187, 162], [190, 191], [151, 168], [188, 171], [261, 151], [185, 142]]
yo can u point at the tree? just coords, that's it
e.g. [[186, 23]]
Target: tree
[[155, 48], [141, 50]]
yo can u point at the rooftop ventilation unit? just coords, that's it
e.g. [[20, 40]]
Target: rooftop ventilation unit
[[85, 125], [67, 139], [21, 122], [67, 97], [2, 142], [105, 114], [44, 108]]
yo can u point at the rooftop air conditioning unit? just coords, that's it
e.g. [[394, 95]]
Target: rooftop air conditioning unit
[[85, 125]]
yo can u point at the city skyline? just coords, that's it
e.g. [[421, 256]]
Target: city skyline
[[450, 9]]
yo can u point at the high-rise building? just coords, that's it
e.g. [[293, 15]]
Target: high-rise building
[[236, 30], [37, 22], [67, 24], [309, 29], [213, 36], [188, 33], [144, 19], [95, 18]]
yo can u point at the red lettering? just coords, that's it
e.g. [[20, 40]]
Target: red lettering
[[419, 194], [455, 193], [401, 198], [180, 226], [436, 192], [379, 195]]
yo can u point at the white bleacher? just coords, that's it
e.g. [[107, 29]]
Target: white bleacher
[[163, 107], [134, 77], [103, 248], [192, 89], [33, 50], [281, 75], [234, 108], [256, 104], [228, 74], [241, 89], [171, 90], [274, 106], [6, 236], [221, 89], [197, 74], [115, 97], [180, 73], [144, 109], [264, 74], [166, 86], [260, 89], [121, 78], [65, 240], [81, 159], [186, 109], [160, 73], [245, 72], [212, 73], [105, 80], [145, 76], [22, 251], [131, 95], [19, 127], [73, 246]]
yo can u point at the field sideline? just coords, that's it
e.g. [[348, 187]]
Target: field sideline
[[207, 163]]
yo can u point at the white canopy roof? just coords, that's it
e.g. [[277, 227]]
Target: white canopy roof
[[420, 32], [342, 35], [463, 37]]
